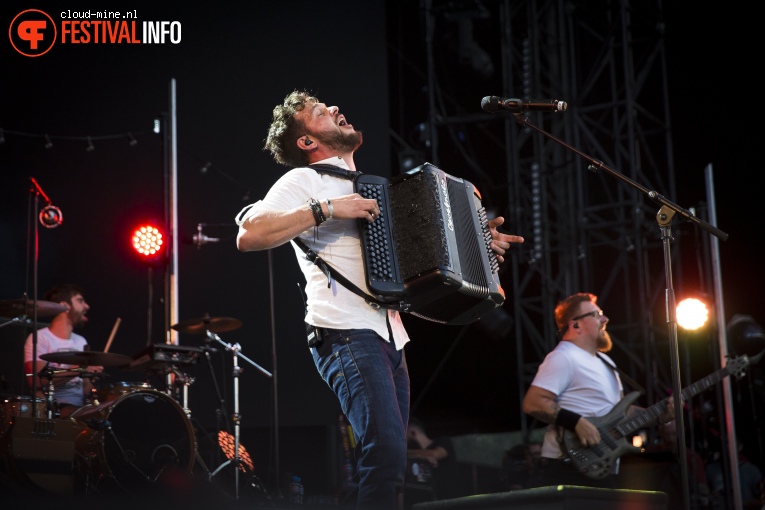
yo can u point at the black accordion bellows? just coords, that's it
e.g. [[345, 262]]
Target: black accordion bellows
[[430, 248]]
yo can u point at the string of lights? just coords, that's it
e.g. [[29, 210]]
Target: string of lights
[[130, 137]]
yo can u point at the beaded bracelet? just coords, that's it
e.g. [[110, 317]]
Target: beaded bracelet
[[329, 208], [318, 214]]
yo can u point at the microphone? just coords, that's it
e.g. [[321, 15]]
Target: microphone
[[199, 238], [51, 216], [493, 104]]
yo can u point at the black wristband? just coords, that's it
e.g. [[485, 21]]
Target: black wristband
[[318, 214], [567, 419]]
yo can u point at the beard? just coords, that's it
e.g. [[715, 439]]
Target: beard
[[343, 142], [604, 341], [78, 319]]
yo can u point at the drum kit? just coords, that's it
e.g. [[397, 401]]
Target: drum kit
[[129, 437]]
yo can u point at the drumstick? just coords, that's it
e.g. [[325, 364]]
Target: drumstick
[[111, 337]]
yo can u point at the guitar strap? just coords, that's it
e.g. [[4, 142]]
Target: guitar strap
[[561, 432], [629, 380]]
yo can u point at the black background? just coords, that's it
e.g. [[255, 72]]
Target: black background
[[235, 62]]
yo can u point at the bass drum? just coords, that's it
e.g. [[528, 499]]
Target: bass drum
[[133, 443]]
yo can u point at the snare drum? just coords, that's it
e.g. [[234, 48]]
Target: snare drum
[[134, 441]]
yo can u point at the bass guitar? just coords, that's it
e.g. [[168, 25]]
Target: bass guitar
[[616, 428]]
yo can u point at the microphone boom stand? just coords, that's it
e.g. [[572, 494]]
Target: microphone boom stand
[[37, 191], [664, 217], [236, 460]]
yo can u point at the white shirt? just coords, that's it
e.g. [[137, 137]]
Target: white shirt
[[338, 243], [69, 392], [583, 384]]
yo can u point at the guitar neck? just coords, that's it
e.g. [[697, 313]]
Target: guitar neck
[[650, 415]]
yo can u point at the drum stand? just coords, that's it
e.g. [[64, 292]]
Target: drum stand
[[236, 460], [184, 380], [49, 373]]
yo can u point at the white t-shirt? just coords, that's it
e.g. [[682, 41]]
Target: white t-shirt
[[583, 384], [338, 243], [69, 392]]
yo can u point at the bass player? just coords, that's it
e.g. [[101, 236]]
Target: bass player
[[576, 383]]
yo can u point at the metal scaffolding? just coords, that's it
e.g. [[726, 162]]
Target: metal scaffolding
[[585, 231]]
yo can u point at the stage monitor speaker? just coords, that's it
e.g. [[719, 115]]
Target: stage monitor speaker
[[561, 497]]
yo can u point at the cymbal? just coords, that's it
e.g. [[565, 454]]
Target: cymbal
[[88, 358], [16, 307], [212, 324]]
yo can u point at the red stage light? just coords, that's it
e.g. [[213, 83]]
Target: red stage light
[[148, 241], [227, 443]]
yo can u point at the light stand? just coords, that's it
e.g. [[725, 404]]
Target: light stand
[[236, 460], [148, 243], [150, 302], [664, 219]]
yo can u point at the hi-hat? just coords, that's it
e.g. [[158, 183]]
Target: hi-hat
[[212, 324], [16, 307], [87, 358]]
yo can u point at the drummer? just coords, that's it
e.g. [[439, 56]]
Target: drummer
[[70, 389]]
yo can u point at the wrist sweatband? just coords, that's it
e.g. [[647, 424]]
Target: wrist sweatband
[[567, 419], [318, 214]]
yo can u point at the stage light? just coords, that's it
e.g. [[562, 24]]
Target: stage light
[[745, 336], [692, 313], [410, 159], [496, 324], [469, 53], [226, 442], [148, 242]]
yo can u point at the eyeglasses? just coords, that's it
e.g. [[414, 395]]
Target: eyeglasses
[[596, 314]]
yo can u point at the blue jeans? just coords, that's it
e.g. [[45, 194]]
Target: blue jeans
[[371, 381]]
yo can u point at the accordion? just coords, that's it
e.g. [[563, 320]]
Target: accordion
[[429, 250]]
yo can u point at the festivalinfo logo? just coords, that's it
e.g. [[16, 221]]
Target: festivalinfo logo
[[33, 32]]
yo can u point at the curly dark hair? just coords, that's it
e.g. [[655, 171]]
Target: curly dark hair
[[569, 307], [63, 292], [285, 129]]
